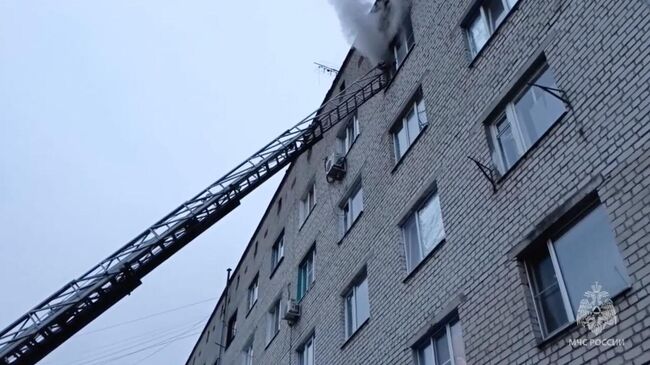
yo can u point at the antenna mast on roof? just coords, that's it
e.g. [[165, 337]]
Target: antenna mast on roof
[[326, 69]]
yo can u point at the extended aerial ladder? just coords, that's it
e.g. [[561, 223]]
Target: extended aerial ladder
[[57, 318]]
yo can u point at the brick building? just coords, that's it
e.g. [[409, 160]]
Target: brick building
[[498, 181]]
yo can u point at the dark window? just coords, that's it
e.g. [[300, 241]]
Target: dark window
[[232, 329], [306, 275]]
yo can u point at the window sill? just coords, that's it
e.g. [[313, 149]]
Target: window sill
[[474, 59], [394, 76], [306, 218], [422, 262], [502, 177], [276, 267], [399, 161], [270, 341], [354, 334], [350, 229]]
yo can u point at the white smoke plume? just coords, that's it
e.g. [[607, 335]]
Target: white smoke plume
[[370, 25]]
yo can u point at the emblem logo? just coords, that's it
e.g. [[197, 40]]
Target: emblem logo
[[596, 311]]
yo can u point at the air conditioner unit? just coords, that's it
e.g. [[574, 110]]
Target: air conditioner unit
[[292, 312], [335, 167]]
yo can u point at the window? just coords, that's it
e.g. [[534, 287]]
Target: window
[[274, 321], [253, 291], [352, 208], [232, 329], [524, 121], [277, 252], [484, 22], [306, 354], [569, 263], [357, 307], [445, 347], [423, 231], [402, 43], [407, 129], [307, 203], [348, 135], [247, 354], [306, 275]]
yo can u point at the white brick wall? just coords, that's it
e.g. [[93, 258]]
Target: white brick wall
[[599, 52]]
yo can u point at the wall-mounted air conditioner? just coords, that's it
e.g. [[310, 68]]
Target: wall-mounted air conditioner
[[292, 312], [335, 167]]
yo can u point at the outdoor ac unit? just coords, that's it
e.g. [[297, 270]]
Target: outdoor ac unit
[[335, 167], [292, 313]]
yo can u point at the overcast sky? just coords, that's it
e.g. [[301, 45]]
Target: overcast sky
[[112, 113]]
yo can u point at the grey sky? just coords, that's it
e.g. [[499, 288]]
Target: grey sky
[[114, 112]]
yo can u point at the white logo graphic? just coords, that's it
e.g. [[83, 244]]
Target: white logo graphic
[[596, 311]]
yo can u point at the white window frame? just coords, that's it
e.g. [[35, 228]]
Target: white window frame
[[352, 293], [403, 123], [304, 351], [511, 117], [308, 261], [402, 37], [248, 354], [415, 214], [274, 319], [485, 18], [447, 329], [253, 292], [277, 251], [563, 292], [307, 203], [349, 217], [348, 135]]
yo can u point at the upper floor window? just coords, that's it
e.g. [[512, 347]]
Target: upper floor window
[[352, 207], [306, 353], [524, 120], [408, 127], [348, 135], [247, 354], [423, 231], [357, 306], [306, 275], [274, 316], [277, 251], [253, 291], [307, 202], [232, 329], [445, 347], [484, 21], [579, 258], [402, 43]]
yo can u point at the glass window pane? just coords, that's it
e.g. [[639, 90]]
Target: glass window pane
[[413, 125], [442, 349], [412, 244], [537, 109], [587, 253], [432, 230], [478, 33], [349, 315], [422, 113], [425, 355], [457, 344], [553, 315], [506, 144], [357, 204], [363, 305], [496, 13], [401, 141]]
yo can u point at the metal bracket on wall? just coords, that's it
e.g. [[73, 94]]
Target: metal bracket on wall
[[487, 173], [557, 93]]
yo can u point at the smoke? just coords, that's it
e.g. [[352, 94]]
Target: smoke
[[369, 25]]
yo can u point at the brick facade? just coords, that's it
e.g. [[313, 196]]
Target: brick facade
[[599, 52]]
